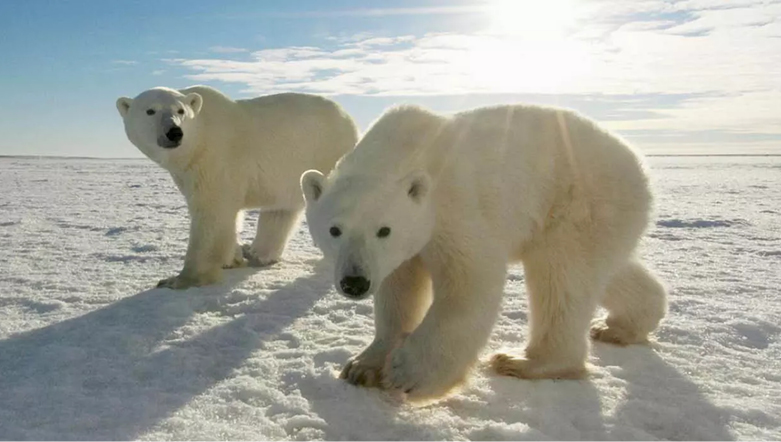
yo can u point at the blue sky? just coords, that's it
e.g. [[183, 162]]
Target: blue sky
[[671, 76]]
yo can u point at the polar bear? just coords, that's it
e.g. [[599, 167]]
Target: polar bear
[[226, 156], [427, 212]]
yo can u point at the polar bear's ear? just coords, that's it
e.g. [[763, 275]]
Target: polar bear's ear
[[312, 184], [195, 101], [418, 185], [123, 106]]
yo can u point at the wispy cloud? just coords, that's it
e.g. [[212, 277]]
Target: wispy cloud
[[405, 65], [725, 57], [124, 62], [159, 72], [226, 50]]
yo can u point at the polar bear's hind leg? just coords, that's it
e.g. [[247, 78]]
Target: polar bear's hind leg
[[566, 272], [636, 302]]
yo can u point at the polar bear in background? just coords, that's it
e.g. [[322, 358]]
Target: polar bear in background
[[225, 156], [427, 211]]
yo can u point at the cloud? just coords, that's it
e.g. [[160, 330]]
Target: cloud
[[159, 72], [629, 60], [404, 65], [226, 50], [124, 62], [746, 111], [726, 57], [648, 46]]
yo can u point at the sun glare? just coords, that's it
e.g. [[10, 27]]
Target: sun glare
[[531, 19], [528, 48]]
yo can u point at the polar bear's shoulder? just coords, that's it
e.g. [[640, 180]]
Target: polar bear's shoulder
[[208, 93], [405, 127], [409, 120], [292, 102], [404, 138]]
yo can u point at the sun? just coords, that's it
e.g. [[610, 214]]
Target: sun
[[544, 20], [529, 47]]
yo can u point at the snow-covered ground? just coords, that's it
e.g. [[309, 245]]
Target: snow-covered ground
[[88, 350]]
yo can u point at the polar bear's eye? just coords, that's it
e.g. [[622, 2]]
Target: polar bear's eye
[[335, 231], [180, 112], [150, 111], [383, 232]]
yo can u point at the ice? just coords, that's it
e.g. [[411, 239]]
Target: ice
[[90, 350]]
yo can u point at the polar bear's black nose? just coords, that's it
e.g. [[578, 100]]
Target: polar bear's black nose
[[175, 134], [354, 286]]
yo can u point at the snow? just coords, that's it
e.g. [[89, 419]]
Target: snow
[[89, 350]]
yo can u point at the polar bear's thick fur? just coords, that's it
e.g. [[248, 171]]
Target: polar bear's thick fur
[[225, 156], [427, 212]]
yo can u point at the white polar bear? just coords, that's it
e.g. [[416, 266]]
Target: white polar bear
[[226, 156], [445, 203]]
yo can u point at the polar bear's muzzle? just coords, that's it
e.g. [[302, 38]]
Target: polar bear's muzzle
[[172, 134], [175, 134], [353, 281], [353, 277], [355, 286], [172, 138]]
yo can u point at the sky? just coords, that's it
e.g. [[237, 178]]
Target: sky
[[686, 76]]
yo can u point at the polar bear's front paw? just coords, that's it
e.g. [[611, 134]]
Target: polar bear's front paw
[[615, 334], [419, 374], [402, 371], [364, 372], [176, 283], [255, 260], [181, 282], [524, 368]]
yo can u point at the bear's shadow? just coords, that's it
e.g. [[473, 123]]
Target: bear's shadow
[[658, 403], [542, 407], [106, 375]]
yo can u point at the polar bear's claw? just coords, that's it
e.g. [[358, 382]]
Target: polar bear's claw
[[176, 283], [357, 372], [181, 282]]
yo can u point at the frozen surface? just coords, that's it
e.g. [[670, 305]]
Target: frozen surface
[[89, 351]]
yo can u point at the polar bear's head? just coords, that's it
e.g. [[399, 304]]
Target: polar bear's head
[[366, 227], [160, 121]]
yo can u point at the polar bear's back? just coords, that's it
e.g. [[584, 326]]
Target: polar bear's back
[[299, 131], [288, 102], [529, 130], [516, 167], [269, 141], [273, 114], [525, 162], [508, 140], [545, 142]]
